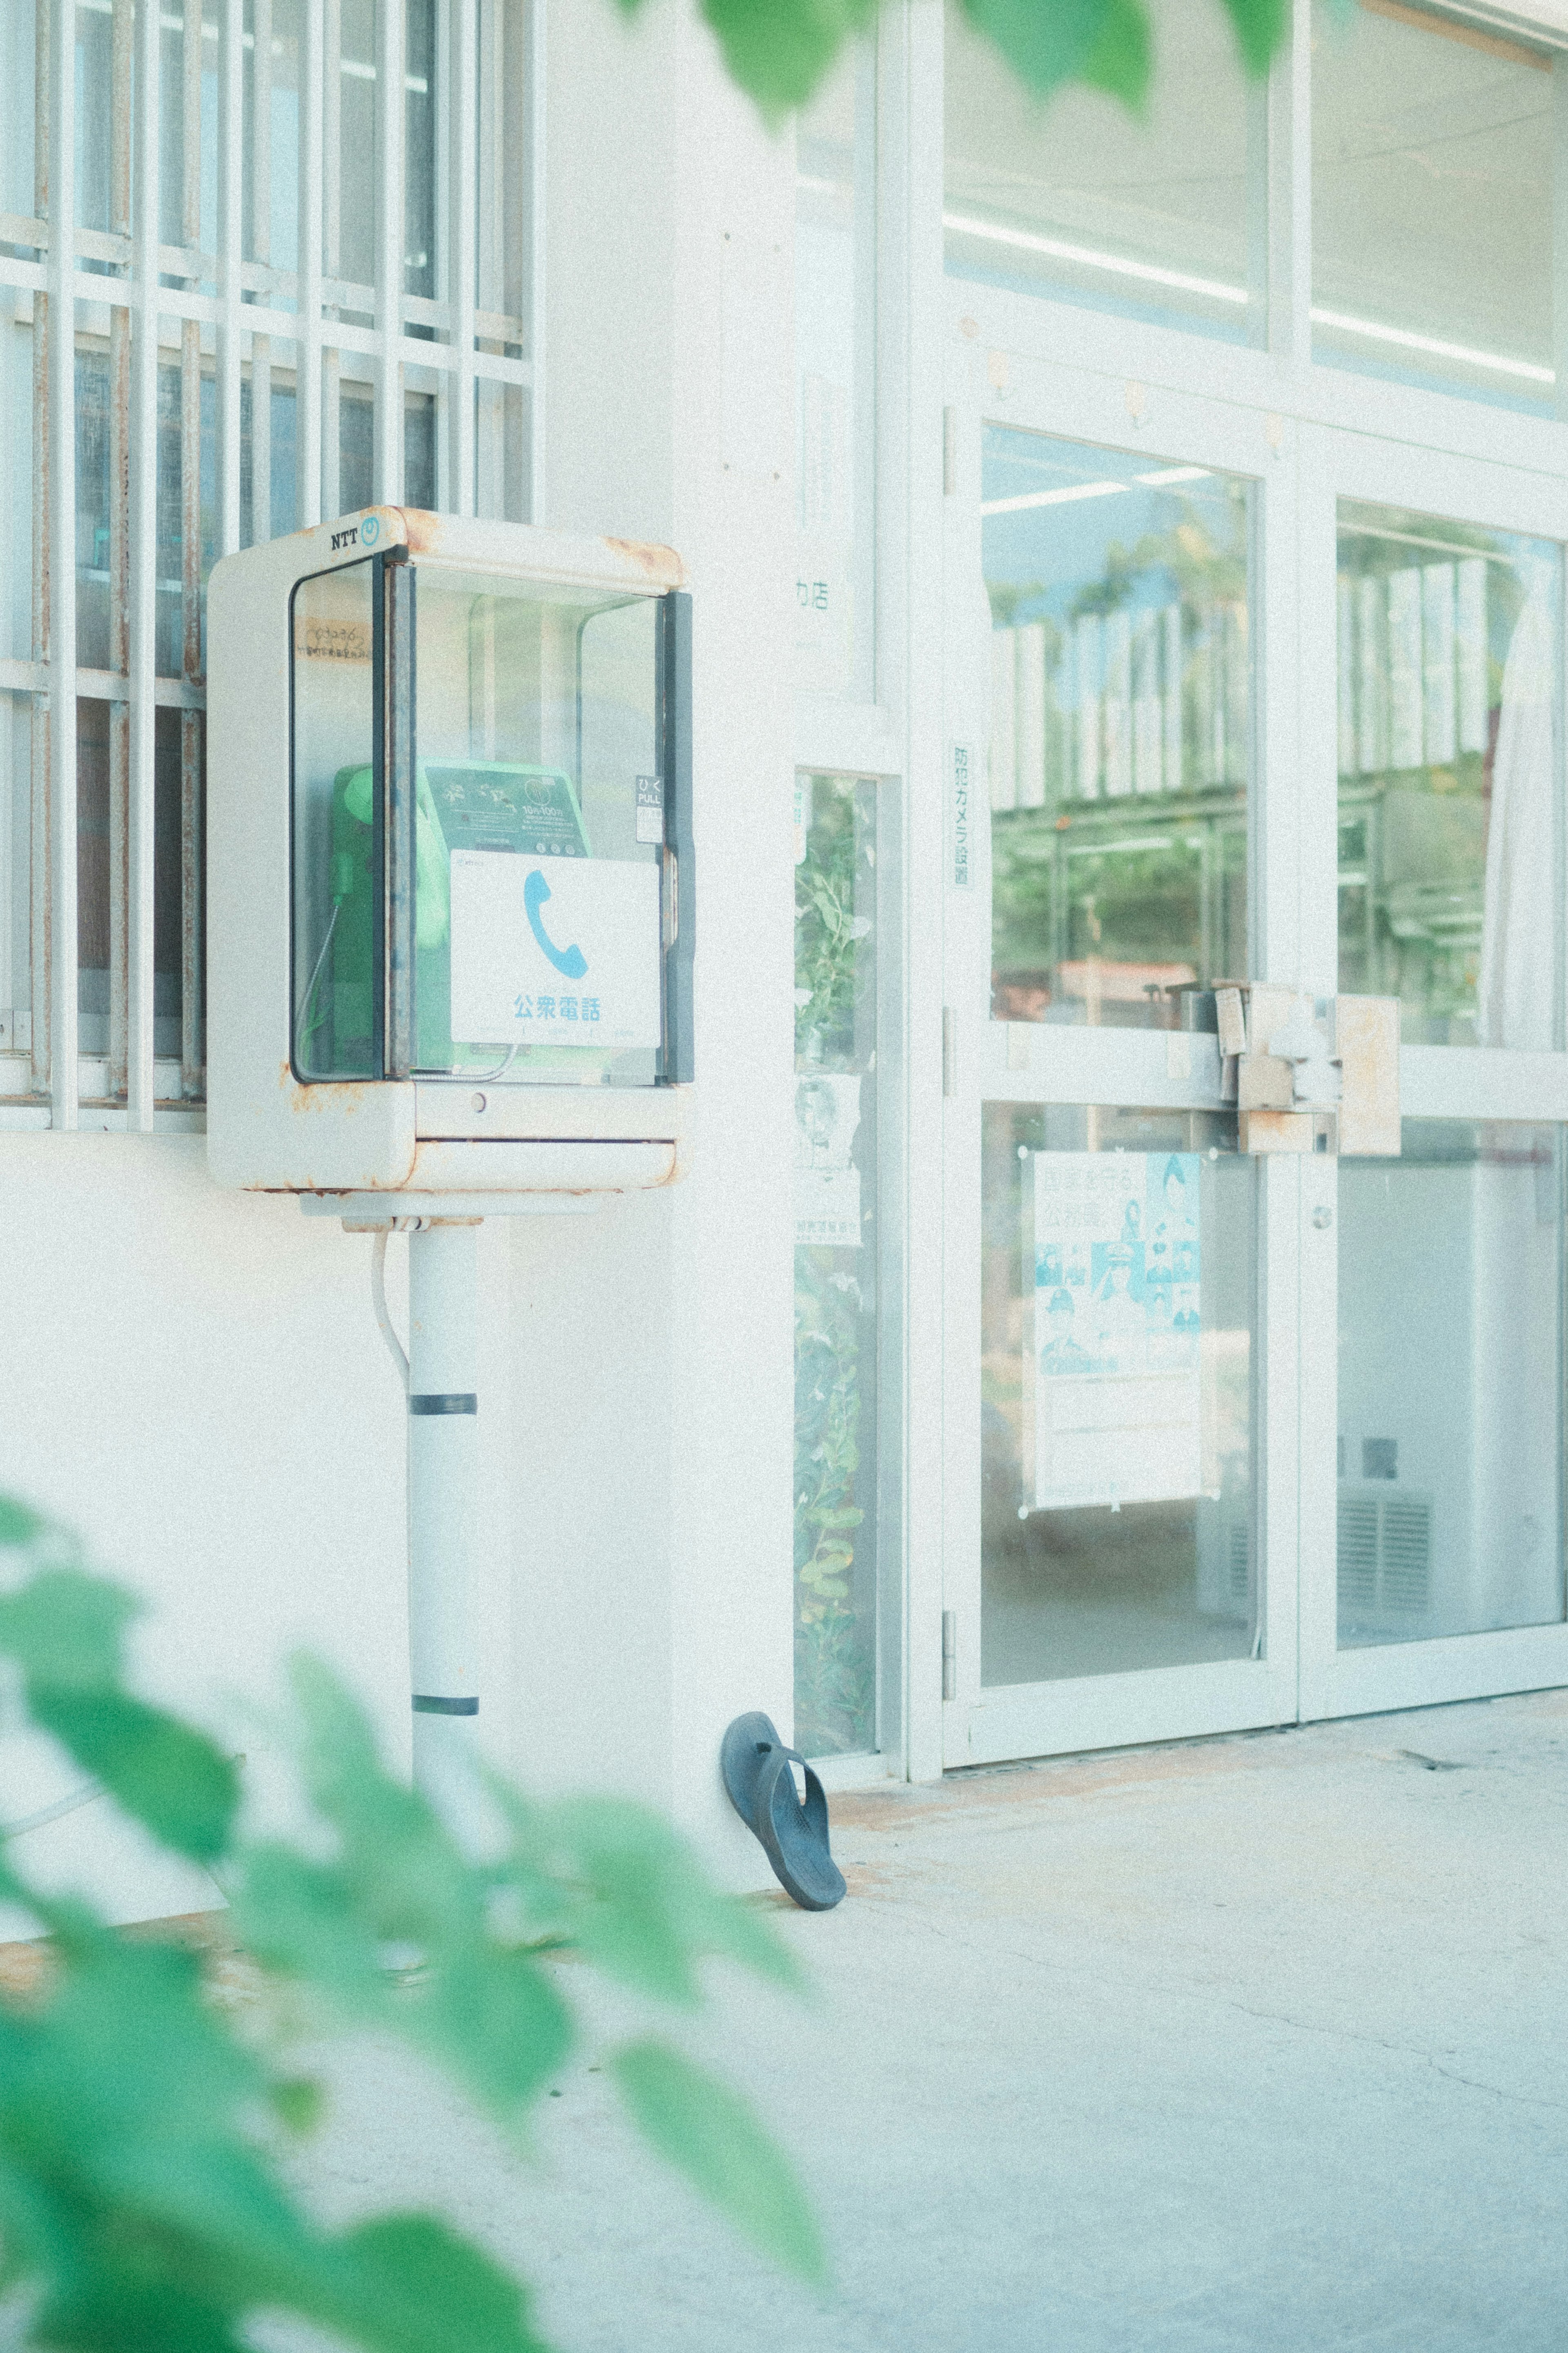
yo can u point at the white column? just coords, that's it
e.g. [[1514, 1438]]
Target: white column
[[652, 1346]]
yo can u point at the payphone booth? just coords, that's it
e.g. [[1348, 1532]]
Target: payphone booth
[[449, 860], [450, 880]]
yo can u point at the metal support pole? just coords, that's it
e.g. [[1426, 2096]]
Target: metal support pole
[[443, 1474]]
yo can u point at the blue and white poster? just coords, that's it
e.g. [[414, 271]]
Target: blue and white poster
[[1118, 1321]]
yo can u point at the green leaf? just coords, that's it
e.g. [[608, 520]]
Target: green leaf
[[111, 2307], [486, 2010], [416, 2287], [406, 1877], [1049, 42], [1260, 26], [297, 1916], [495, 2021], [643, 1910], [1119, 61], [169, 1776], [65, 1628], [298, 2103], [709, 2133], [781, 52], [18, 1525]]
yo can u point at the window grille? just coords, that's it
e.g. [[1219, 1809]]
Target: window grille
[[299, 278]]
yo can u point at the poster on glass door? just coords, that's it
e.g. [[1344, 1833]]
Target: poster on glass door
[[826, 1181], [1117, 1321]]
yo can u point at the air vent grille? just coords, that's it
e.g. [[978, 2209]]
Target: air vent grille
[[1384, 1553], [1239, 1561]]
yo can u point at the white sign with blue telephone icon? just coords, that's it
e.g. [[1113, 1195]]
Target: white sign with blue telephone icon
[[555, 951]]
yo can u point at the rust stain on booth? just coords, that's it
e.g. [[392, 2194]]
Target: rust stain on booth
[[661, 564]]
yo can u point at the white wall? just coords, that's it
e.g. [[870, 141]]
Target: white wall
[[669, 363], [194, 1377], [193, 1380]]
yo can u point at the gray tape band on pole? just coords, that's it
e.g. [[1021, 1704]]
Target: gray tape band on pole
[[444, 1401], [425, 1705]]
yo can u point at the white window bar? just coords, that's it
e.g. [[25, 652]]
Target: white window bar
[[261, 251], [462, 212], [121, 58], [192, 34], [391, 107], [132, 338], [143, 588], [60, 843], [39, 863], [230, 216], [308, 391]]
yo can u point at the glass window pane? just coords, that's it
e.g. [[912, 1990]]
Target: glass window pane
[[834, 281], [1449, 790], [837, 1529], [1432, 201], [351, 253], [1121, 730], [1116, 1387], [1151, 216], [94, 724], [1450, 1384], [419, 151]]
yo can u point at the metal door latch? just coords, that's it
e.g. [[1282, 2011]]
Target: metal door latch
[[1307, 1074]]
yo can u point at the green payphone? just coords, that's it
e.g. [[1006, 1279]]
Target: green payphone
[[494, 807]]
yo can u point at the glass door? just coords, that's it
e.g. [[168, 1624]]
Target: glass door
[[1433, 1529], [1121, 1282]]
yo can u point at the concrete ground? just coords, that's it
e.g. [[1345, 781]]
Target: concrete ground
[[1261, 2042]]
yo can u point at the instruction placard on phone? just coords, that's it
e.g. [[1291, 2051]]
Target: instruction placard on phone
[[555, 951]]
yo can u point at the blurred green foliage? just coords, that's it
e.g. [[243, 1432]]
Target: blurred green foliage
[[779, 50], [143, 2199]]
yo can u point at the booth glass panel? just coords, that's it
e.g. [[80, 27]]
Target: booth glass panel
[[1450, 1384], [837, 1521], [1434, 157], [336, 874], [1117, 1353], [539, 827], [1121, 728], [1155, 215], [1449, 777]]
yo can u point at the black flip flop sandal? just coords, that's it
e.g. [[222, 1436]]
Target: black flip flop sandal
[[756, 1769]]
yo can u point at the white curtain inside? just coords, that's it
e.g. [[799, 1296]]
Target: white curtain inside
[[1519, 962]]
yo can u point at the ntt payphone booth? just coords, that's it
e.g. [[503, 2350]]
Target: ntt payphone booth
[[449, 949]]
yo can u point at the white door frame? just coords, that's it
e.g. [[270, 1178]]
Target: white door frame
[[996, 1062], [1436, 1081], [1302, 471]]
